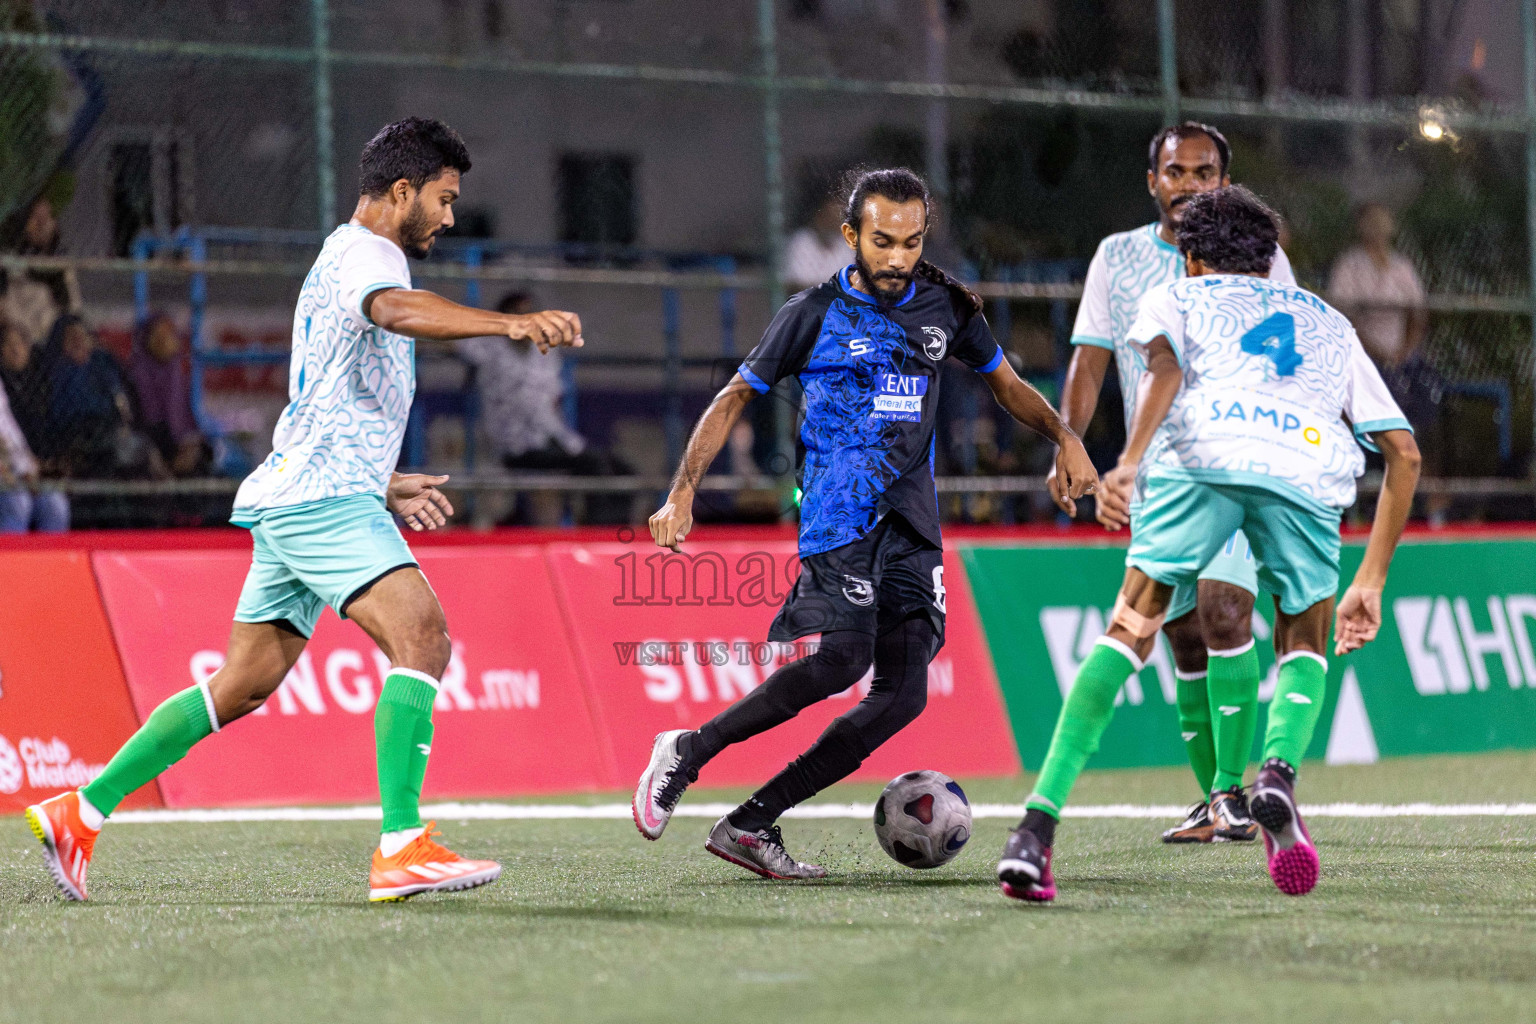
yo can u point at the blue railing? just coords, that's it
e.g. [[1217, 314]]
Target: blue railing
[[193, 243]]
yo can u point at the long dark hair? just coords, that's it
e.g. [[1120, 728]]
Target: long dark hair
[[900, 185]]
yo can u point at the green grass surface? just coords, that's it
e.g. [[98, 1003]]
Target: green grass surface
[[1414, 920]]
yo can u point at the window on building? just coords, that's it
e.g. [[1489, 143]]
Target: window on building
[[596, 193], [148, 187]]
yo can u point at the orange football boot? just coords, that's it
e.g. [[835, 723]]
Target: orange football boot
[[67, 842], [424, 866]]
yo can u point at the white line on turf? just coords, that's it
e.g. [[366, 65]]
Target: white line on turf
[[555, 812]]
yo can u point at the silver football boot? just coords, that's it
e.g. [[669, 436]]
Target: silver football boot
[[661, 785], [761, 851]]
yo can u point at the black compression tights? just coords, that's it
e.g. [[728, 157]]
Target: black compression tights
[[897, 695]]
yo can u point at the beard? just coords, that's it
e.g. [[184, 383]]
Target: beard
[[887, 286], [416, 237]]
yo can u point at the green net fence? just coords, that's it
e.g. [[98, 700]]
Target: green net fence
[[647, 163]]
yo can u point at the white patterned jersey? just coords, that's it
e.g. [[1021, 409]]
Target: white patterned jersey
[[1124, 268], [1271, 373], [350, 383]]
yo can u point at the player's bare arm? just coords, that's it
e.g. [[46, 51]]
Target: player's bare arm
[[415, 498], [671, 523], [1079, 398], [1159, 386], [1073, 468], [427, 316], [1359, 612]]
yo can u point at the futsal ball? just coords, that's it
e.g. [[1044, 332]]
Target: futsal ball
[[923, 819]]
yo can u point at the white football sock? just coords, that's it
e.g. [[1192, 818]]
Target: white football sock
[[391, 843], [92, 818]]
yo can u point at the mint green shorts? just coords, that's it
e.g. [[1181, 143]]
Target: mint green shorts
[[1233, 564], [324, 553], [1181, 525]]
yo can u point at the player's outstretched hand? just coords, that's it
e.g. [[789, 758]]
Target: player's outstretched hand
[[415, 498], [670, 524], [1072, 477], [1114, 498], [552, 328], [1357, 619]]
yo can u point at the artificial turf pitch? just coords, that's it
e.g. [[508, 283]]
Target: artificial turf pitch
[[1415, 919]]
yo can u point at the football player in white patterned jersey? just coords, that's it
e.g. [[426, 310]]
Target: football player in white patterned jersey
[[1182, 162], [319, 511], [1247, 418]]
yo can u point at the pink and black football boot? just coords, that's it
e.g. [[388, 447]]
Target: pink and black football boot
[[1025, 870], [1293, 862]]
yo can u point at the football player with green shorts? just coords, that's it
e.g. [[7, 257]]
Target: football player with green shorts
[[1250, 415], [1208, 630]]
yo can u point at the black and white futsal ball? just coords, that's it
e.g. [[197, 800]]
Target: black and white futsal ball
[[923, 819]]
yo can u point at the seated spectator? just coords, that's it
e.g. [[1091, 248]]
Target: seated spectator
[[23, 505], [520, 397], [158, 373], [35, 299], [26, 383], [817, 251], [89, 426]]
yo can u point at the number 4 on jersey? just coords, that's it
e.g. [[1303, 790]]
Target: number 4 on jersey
[[1275, 337]]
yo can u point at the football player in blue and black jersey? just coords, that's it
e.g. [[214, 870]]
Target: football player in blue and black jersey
[[866, 346]]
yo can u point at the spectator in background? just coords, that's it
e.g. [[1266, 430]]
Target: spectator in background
[[158, 372], [1379, 290], [23, 505], [33, 300], [817, 251], [26, 383], [89, 426], [520, 393]]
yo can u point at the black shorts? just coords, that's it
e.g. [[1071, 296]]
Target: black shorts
[[888, 575]]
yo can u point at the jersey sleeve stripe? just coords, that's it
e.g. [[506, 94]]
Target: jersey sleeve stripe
[[758, 384], [1369, 427], [1088, 339], [362, 296], [993, 363]]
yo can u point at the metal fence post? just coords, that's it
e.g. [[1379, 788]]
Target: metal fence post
[[325, 169], [1168, 58], [1528, 19], [773, 168]]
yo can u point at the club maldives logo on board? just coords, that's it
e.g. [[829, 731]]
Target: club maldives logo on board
[[10, 767], [42, 764]]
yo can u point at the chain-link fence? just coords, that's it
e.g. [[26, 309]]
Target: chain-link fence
[[654, 165]]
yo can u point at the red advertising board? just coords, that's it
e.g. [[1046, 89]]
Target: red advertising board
[[667, 641], [511, 717], [64, 707]]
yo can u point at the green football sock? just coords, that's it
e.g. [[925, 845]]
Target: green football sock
[[402, 734], [164, 738], [1084, 717], [1298, 703], [1195, 727], [1232, 678]]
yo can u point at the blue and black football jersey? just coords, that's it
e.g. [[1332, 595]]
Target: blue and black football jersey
[[871, 380]]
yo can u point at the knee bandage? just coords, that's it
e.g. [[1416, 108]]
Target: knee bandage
[[1133, 622]]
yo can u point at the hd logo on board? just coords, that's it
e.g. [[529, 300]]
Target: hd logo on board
[[1450, 646]]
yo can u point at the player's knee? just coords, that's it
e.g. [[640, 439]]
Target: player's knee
[[911, 698], [1226, 619], [237, 690], [842, 658], [426, 649], [1187, 644]]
